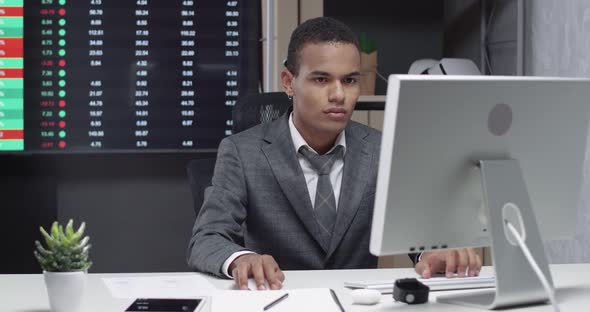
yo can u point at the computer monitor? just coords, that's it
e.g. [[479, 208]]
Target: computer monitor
[[462, 154]]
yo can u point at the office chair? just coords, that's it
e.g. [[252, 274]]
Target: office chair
[[200, 172], [259, 108], [248, 112]]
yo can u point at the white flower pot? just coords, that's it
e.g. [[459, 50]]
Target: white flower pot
[[65, 290]]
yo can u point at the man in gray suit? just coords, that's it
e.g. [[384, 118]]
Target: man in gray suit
[[298, 193]]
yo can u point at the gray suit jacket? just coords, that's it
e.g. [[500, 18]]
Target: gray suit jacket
[[259, 201]]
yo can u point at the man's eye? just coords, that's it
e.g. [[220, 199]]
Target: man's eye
[[350, 80], [320, 80]]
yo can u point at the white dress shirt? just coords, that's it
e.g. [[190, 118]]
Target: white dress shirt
[[311, 178]]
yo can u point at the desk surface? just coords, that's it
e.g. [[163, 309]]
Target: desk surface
[[26, 292]]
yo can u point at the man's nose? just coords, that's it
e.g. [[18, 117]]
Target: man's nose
[[336, 93]]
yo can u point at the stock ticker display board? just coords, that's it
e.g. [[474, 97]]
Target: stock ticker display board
[[124, 75]]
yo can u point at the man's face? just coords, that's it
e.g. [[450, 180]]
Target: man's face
[[326, 89]]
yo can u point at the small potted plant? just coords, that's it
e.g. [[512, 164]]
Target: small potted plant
[[368, 49], [64, 260]]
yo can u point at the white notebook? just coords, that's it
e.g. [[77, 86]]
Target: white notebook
[[309, 299], [435, 283]]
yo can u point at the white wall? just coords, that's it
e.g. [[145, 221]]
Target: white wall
[[557, 43], [286, 13]]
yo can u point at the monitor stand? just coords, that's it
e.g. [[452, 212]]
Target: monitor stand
[[506, 198]]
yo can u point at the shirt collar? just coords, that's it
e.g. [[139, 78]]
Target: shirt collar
[[299, 141]]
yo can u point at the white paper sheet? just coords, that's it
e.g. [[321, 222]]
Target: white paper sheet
[[309, 299], [161, 286]]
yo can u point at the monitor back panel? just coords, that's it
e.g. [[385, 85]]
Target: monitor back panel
[[437, 128]]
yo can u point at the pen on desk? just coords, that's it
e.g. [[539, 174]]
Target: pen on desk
[[336, 299], [272, 304]]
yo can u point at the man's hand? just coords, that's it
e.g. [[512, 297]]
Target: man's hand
[[260, 267], [464, 262]]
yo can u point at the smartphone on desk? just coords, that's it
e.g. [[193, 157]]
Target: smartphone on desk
[[166, 305]]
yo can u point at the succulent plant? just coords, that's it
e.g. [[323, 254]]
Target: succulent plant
[[65, 251]]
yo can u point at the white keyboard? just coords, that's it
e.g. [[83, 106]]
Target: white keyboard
[[435, 283]]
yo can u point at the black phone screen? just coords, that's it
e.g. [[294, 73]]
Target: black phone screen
[[163, 305]]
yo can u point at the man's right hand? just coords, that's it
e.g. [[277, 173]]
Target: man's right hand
[[260, 267]]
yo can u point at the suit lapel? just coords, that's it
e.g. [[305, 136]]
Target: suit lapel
[[357, 162], [282, 158]]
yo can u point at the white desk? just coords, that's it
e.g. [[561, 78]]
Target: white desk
[[22, 292]]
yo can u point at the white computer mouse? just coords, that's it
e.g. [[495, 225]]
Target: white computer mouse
[[252, 284], [365, 296]]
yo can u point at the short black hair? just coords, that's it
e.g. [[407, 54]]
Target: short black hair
[[317, 30]]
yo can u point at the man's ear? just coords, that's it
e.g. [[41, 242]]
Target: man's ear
[[287, 80]]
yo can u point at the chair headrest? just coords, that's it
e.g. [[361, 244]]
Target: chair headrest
[[257, 108]]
